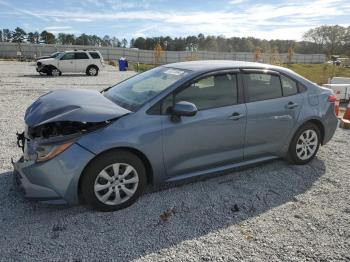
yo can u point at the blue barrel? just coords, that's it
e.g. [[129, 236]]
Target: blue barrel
[[123, 64]]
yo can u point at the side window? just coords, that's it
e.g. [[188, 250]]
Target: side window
[[94, 55], [260, 86], [289, 86], [210, 92], [68, 56], [81, 55]]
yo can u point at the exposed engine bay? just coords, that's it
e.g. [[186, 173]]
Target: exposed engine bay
[[54, 133], [63, 128]]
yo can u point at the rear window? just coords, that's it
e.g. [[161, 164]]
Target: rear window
[[289, 86], [81, 55], [262, 86], [94, 55]]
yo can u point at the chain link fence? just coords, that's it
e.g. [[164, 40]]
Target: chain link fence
[[32, 51]]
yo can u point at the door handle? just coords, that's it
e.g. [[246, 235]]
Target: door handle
[[291, 105], [236, 116]]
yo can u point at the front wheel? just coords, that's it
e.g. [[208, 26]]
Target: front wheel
[[305, 144], [54, 72], [113, 181]]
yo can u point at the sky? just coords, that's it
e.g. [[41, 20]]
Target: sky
[[267, 19]]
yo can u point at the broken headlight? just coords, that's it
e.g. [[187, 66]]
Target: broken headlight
[[47, 152]]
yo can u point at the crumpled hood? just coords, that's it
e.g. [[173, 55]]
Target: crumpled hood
[[72, 105], [46, 60]]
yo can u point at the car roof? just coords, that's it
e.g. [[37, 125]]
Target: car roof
[[80, 50], [203, 66], [208, 65]]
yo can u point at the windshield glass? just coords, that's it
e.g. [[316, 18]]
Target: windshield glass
[[136, 91], [59, 55], [53, 55]]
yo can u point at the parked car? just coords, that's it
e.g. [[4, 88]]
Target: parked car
[[53, 55], [77, 61], [167, 124]]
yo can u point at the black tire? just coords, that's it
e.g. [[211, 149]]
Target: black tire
[[91, 72], [293, 156], [90, 174], [52, 72]]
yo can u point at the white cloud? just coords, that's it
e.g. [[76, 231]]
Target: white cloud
[[287, 20], [236, 2]]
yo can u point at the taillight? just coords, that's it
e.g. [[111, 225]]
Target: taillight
[[332, 98]]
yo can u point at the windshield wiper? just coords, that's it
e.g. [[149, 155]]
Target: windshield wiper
[[105, 89]]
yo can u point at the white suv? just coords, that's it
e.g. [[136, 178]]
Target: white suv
[[77, 61]]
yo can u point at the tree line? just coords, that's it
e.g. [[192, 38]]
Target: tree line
[[324, 39], [20, 36]]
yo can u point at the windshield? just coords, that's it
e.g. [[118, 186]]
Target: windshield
[[136, 91], [54, 55], [59, 55]]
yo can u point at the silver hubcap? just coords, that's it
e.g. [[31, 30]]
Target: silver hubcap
[[116, 184], [92, 71], [55, 72], [307, 144]]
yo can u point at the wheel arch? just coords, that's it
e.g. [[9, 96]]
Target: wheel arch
[[138, 153], [92, 65], [51, 67], [316, 122]]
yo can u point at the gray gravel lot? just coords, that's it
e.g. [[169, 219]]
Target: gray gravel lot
[[272, 212]]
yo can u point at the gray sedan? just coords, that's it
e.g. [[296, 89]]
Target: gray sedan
[[170, 123]]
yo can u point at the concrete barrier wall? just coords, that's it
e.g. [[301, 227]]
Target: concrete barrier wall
[[9, 50]]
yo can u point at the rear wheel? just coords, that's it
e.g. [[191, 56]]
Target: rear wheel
[[113, 181], [92, 71], [305, 144]]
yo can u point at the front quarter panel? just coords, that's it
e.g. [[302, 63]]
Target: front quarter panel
[[137, 131]]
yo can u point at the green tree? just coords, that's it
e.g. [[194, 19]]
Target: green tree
[[66, 39], [47, 37], [124, 43], [0, 35], [6, 35], [31, 38], [329, 38], [140, 43], [106, 40], [18, 35]]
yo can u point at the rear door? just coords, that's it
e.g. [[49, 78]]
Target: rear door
[[82, 61], [214, 136], [273, 106], [67, 63]]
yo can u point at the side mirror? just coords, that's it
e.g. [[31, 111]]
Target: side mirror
[[184, 108]]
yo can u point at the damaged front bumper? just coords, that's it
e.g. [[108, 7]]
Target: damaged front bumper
[[42, 69], [56, 179]]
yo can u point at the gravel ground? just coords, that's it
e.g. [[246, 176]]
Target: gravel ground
[[272, 212]]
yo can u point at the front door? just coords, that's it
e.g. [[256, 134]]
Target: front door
[[214, 136], [67, 63]]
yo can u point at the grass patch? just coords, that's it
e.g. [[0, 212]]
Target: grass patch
[[319, 73]]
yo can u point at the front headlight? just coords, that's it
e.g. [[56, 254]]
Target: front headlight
[[47, 152]]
